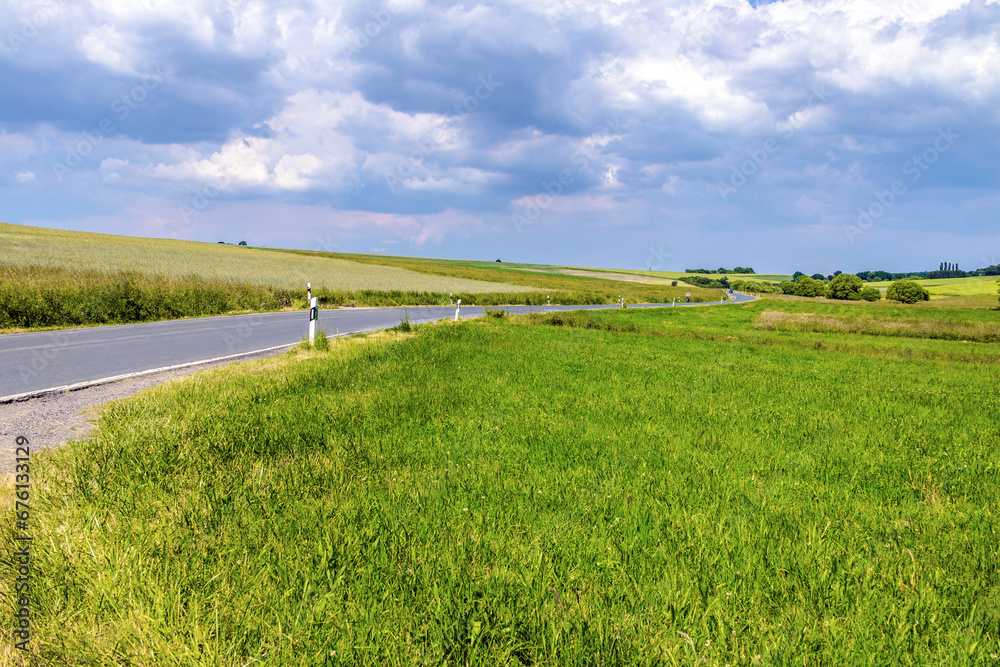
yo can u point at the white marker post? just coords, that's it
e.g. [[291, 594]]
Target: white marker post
[[458, 308], [309, 292], [674, 302], [313, 316], [548, 300]]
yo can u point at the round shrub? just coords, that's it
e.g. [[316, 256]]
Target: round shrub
[[907, 291], [846, 287], [871, 294], [806, 286]]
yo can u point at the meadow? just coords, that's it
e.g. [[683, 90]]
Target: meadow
[[626, 487]]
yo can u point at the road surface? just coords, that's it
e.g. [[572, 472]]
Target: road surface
[[44, 362]]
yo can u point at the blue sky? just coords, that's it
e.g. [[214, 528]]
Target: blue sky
[[799, 135]]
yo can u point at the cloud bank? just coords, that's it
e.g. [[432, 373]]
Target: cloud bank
[[804, 134]]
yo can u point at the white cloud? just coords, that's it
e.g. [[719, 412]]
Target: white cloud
[[292, 171], [104, 45], [25, 177]]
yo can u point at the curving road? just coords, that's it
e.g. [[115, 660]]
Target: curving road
[[46, 362]]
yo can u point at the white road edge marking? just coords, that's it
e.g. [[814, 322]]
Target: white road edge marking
[[16, 398]]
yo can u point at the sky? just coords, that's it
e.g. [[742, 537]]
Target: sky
[[812, 135]]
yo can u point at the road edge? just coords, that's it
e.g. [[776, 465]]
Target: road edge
[[38, 393]]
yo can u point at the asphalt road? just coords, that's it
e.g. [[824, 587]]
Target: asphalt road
[[46, 361]]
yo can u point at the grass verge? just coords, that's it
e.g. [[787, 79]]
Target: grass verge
[[622, 487]]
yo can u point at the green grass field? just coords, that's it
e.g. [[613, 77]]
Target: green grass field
[[665, 487]]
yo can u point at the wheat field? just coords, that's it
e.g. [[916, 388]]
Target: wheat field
[[35, 246]]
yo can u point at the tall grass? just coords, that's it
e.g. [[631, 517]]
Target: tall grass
[[43, 296], [663, 487], [875, 326]]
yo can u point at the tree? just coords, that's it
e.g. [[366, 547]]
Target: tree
[[846, 287], [998, 289], [796, 275], [806, 286], [818, 276], [874, 276], [242, 243], [786, 287], [907, 291], [870, 294]]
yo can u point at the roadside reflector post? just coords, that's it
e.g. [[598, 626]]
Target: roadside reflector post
[[309, 292], [451, 298], [313, 316], [458, 308], [548, 300], [674, 302]]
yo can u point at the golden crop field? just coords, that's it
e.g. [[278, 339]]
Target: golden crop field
[[24, 246]]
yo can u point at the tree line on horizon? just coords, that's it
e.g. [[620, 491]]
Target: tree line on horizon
[[720, 270], [945, 270]]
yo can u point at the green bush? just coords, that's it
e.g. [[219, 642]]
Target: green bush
[[806, 286], [846, 287], [907, 291], [762, 287], [871, 294], [786, 287]]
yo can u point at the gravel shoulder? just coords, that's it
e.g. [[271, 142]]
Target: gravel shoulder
[[51, 421]]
